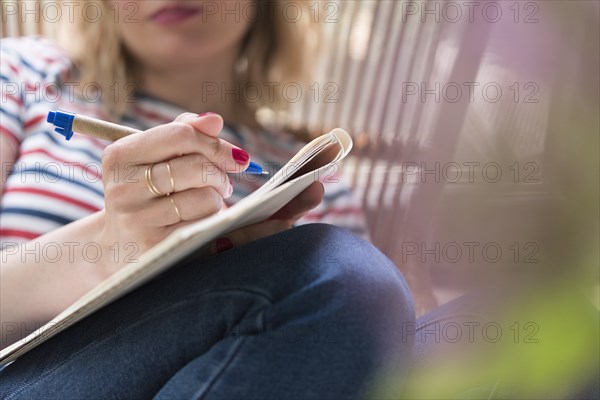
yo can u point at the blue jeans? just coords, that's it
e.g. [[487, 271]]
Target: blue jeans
[[313, 312]]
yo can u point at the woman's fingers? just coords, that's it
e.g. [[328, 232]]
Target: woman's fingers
[[248, 234], [183, 136], [191, 209], [301, 204], [180, 207], [210, 124], [279, 222], [191, 171]]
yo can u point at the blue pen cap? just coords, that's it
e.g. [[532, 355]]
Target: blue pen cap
[[63, 122]]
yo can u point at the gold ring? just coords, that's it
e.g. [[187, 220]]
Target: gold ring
[[150, 184], [171, 178], [176, 208]]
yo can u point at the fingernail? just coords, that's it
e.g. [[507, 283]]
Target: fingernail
[[205, 114], [240, 156], [223, 244]]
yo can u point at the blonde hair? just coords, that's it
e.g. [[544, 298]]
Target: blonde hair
[[276, 47]]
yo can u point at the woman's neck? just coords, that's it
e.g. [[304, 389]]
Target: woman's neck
[[207, 86]]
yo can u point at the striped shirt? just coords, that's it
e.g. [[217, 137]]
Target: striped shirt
[[54, 182]]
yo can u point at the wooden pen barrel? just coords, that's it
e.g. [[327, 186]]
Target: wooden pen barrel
[[101, 129]]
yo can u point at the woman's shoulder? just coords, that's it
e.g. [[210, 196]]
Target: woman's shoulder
[[32, 55]]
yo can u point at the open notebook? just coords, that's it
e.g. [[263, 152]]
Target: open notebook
[[315, 161]]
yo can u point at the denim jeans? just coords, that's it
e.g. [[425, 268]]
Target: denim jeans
[[313, 312]]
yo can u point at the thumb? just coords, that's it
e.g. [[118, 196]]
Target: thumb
[[210, 124]]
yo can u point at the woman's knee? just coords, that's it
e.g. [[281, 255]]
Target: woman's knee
[[361, 281], [351, 260]]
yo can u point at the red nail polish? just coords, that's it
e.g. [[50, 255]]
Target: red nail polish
[[223, 244], [240, 156], [205, 114]]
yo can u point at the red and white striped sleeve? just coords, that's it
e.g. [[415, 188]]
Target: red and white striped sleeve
[[12, 109]]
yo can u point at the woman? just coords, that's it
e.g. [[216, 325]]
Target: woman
[[275, 313]]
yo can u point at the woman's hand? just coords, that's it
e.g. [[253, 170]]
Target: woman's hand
[[280, 221], [184, 159]]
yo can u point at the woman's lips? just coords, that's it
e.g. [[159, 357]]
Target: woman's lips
[[174, 15]]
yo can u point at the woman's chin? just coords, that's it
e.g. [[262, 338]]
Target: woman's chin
[[173, 52]]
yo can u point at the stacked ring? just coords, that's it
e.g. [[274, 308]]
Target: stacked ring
[[176, 209], [150, 184], [171, 178], [154, 190]]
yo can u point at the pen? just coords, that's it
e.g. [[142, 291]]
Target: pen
[[66, 123]]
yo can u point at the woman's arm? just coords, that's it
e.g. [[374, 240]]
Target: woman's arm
[[37, 285]]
